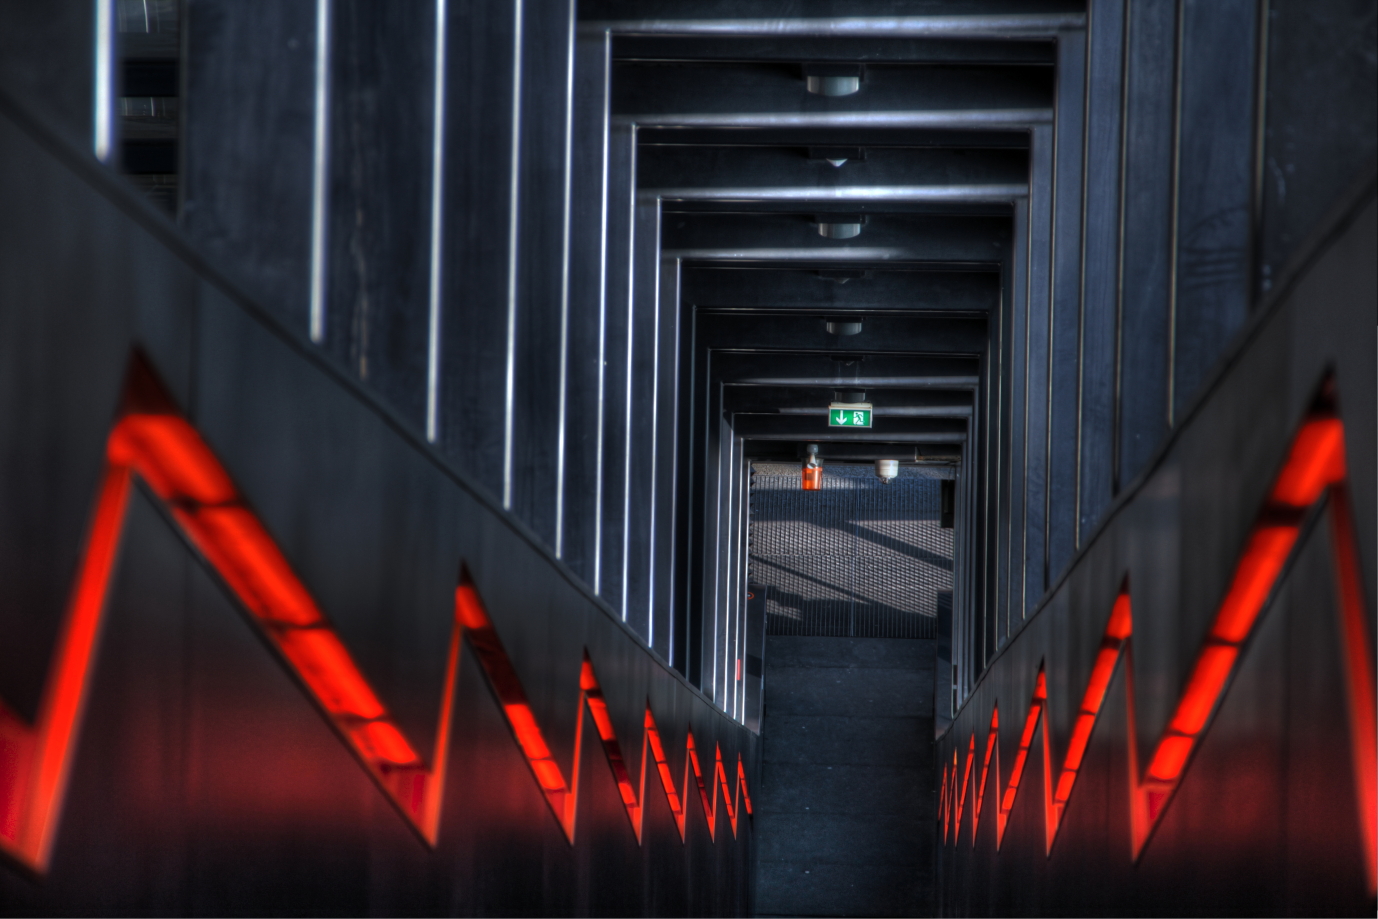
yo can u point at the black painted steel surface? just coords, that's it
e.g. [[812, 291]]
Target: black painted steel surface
[[204, 778], [1266, 819]]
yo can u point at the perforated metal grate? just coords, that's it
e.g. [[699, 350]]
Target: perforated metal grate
[[859, 558]]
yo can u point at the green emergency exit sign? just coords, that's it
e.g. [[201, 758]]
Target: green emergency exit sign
[[849, 415]]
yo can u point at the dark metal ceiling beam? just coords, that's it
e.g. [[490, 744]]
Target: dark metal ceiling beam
[[787, 451], [992, 119], [947, 238], [813, 48], [1003, 25], [762, 399], [891, 332], [704, 169], [654, 135], [851, 255], [759, 287], [845, 371], [797, 196], [898, 411], [766, 95], [865, 382], [811, 427], [855, 436]]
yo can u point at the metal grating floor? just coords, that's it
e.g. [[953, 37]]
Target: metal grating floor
[[860, 558]]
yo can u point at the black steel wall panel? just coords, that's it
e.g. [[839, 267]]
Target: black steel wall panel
[[377, 246], [1098, 350], [204, 777], [538, 400], [585, 348], [1266, 819], [1064, 347], [478, 249], [1214, 206], [1145, 276], [253, 86], [1036, 343], [617, 372], [1315, 51], [45, 53]]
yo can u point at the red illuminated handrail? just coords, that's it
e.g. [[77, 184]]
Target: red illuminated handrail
[[152, 440], [1314, 467]]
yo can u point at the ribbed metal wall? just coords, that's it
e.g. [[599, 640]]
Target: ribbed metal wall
[[860, 558]]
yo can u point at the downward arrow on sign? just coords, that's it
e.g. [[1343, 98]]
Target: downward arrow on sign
[[841, 418]]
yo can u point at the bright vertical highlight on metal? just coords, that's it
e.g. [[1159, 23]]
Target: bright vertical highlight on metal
[[606, 61], [437, 227], [563, 423], [319, 167], [103, 101], [513, 236]]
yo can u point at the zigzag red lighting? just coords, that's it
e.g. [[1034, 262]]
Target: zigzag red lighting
[[1314, 467], [151, 439]]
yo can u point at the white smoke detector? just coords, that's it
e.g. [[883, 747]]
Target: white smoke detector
[[887, 469]]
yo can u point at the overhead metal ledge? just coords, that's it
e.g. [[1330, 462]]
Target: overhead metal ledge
[[1027, 25], [897, 194], [995, 118]]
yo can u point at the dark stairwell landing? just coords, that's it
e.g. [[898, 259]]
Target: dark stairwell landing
[[845, 811]]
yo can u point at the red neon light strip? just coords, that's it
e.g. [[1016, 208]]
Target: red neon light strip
[[152, 440], [1315, 466], [962, 791], [1359, 675], [985, 771], [942, 802]]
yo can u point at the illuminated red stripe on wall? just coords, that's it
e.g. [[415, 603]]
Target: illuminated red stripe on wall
[[1314, 466], [152, 440]]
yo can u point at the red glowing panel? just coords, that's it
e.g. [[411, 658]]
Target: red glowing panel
[[1315, 463], [598, 708], [1002, 816], [1264, 556], [812, 478], [966, 783], [657, 749], [985, 772], [171, 457], [1363, 722], [1121, 622], [730, 805], [382, 740], [942, 802], [42, 753], [321, 660], [159, 446], [742, 787], [709, 804], [952, 795], [1208, 678], [241, 550], [1171, 757]]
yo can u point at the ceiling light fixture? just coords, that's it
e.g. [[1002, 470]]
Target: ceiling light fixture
[[832, 79], [839, 226]]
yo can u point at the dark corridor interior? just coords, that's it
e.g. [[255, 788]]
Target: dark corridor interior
[[688, 457], [855, 577]]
